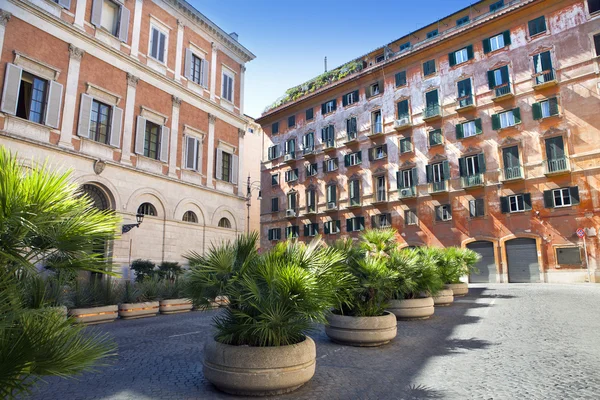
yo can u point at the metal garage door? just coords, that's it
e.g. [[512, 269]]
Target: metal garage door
[[486, 265], [523, 263]]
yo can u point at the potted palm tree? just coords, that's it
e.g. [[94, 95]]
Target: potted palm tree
[[95, 301], [172, 299], [418, 280], [455, 263], [362, 320], [139, 299], [261, 346]]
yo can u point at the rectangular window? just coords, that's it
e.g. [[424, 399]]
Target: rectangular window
[[152, 140], [438, 172], [311, 201], [469, 129], [311, 229], [351, 128], [405, 145], [331, 227], [353, 159], [516, 203], [291, 199], [432, 105], [328, 136], [311, 169], [496, 6], [275, 128], [100, 121], [443, 213], [378, 153], [400, 78], [227, 89], [292, 231], [196, 69], [355, 224], [476, 208], [410, 217], [537, 26], [192, 153], [496, 42], [226, 167], [350, 98], [462, 21], [310, 114], [381, 220], [465, 93], [376, 122], [568, 255], [31, 104], [562, 197], [275, 234], [507, 119], [435, 137], [381, 188], [402, 110], [593, 6], [273, 152], [292, 121], [328, 107], [470, 165], [354, 192], [275, 180], [331, 196], [330, 165], [158, 41], [429, 68], [545, 109], [275, 204], [291, 175], [597, 42], [308, 142], [290, 147], [405, 46], [461, 56], [405, 178], [432, 34], [109, 19], [380, 58]]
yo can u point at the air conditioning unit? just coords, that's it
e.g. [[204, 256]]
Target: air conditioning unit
[[401, 122], [288, 157], [331, 205], [290, 213], [405, 192]]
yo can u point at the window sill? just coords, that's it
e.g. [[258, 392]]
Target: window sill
[[26, 128], [550, 117], [537, 36], [375, 96], [189, 175], [462, 64], [97, 149], [510, 128], [498, 51], [156, 65], [149, 164]]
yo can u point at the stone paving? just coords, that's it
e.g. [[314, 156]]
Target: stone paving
[[499, 342]]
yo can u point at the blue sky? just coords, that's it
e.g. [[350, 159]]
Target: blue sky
[[291, 38]]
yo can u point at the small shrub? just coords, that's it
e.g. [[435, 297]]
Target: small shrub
[[172, 289], [143, 269], [169, 270], [95, 293], [130, 293], [150, 289]]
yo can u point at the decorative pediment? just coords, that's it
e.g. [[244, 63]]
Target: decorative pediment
[[380, 171], [354, 177], [438, 157], [540, 49], [499, 64], [509, 141], [430, 87], [472, 150], [554, 131], [462, 77], [292, 191], [408, 164], [311, 187], [332, 182], [402, 98]]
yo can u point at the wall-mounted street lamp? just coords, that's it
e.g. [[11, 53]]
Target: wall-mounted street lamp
[[250, 187], [139, 217]]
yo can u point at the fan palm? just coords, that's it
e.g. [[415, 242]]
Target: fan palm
[[454, 263], [378, 242], [43, 215], [417, 273]]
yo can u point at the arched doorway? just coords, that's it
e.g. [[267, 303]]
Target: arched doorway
[[486, 267], [523, 265]]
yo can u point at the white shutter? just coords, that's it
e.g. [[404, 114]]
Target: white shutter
[[115, 128], [97, 12], [164, 144], [190, 145], [54, 104], [205, 73], [140, 135], [12, 84], [124, 24], [85, 113], [235, 165], [199, 151], [65, 3], [187, 68], [219, 165]]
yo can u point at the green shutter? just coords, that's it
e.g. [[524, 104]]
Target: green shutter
[[361, 223], [478, 128], [452, 59], [349, 225], [347, 160], [574, 192], [553, 105], [548, 199], [459, 131], [429, 173], [495, 122], [491, 79], [462, 168], [345, 100], [472, 208], [415, 176], [306, 228], [527, 201], [517, 115], [326, 227], [323, 109], [446, 170], [486, 46], [374, 223], [504, 205], [506, 35], [481, 161], [398, 183], [400, 78], [470, 54], [438, 213], [536, 108], [504, 74], [359, 156]]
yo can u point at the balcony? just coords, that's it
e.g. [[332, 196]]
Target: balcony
[[289, 157], [353, 203], [544, 79], [432, 112], [331, 206], [380, 196], [291, 213], [329, 145], [376, 129], [470, 181], [513, 173], [465, 103], [438, 187], [557, 166], [407, 192], [308, 152], [311, 210], [502, 92], [402, 122]]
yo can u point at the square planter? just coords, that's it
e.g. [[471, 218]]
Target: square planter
[[95, 315], [173, 306], [138, 310]]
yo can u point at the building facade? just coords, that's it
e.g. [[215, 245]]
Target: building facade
[[143, 100], [479, 131]]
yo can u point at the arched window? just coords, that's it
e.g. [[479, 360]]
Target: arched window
[[97, 195], [147, 209], [190, 216], [224, 223]]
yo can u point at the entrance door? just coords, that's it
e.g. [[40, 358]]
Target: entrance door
[[523, 263], [486, 267]]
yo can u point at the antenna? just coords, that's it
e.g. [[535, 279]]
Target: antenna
[[325, 63]]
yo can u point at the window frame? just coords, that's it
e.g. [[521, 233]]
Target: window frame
[[446, 212], [148, 140], [275, 179], [226, 73], [198, 150], [108, 124], [117, 21], [516, 198], [561, 192], [414, 220], [165, 32], [356, 190]]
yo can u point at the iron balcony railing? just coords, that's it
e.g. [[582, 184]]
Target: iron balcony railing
[[435, 187], [406, 192], [555, 165], [502, 90], [351, 136], [471, 180], [308, 150], [431, 111], [465, 101], [544, 77], [329, 144], [511, 173]]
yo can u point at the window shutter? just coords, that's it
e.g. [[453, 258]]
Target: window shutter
[[536, 108], [54, 103], [345, 100], [270, 234], [459, 131], [480, 207], [347, 160], [415, 176], [190, 143], [12, 84], [504, 74], [368, 93], [326, 227], [349, 225], [438, 213], [374, 223], [429, 173], [219, 165], [398, 183], [548, 199], [486, 46], [452, 59], [187, 68], [506, 36], [323, 109], [65, 4], [517, 115], [504, 205], [527, 201], [470, 54], [495, 122], [553, 105], [359, 156], [400, 78], [124, 24], [164, 144], [306, 229], [481, 161], [472, 208], [462, 167], [115, 128], [446, 170], [371, 154], [491, 79], [574, 192], [85, 113], [97, 12], [140, 135], [478, 128], [334, 104], [337, 227], [205, 67], [361, 223]]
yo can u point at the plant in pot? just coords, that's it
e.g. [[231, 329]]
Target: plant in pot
[[453, 264], [144, 269], [261, 345], [418, 280], [169, 270], [362, 320], [94, 301], [172, 299], [139, 299]]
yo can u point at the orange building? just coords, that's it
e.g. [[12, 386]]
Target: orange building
[[479, 130]]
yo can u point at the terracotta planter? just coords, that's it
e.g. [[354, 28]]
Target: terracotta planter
[[420, 308], [138, 310], [174, 306], [459, 289], [445, 297], [259, 371], [95, 315], [361, 331]]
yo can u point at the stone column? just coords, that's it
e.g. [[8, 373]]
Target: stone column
[[4, 18], [179, 50], [132, 82], [137, 26], [242, 75], [174, 137], [68, 117], [213, 71], [210, 159], [80, 14], [241, 175]]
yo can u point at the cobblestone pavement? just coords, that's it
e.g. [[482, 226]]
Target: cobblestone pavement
[[499, 342]]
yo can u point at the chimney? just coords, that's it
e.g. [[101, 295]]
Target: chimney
[[234, 36]]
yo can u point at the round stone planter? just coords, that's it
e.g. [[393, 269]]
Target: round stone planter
[[259, 371], [361, 331], [95, 315], [138, 310], [420, 308], [174, 306], [459, 289], [445, 297]]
